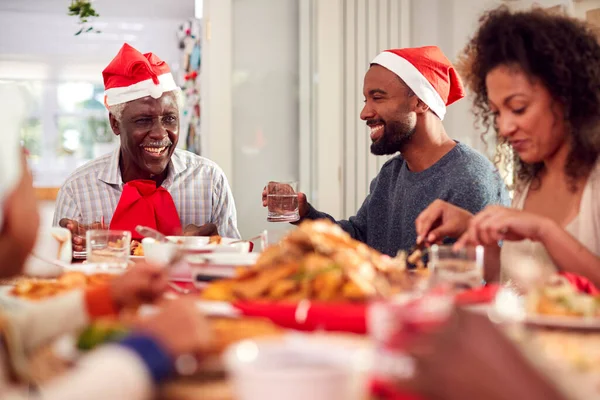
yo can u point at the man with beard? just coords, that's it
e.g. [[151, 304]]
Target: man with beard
[[406, 93], [147, 181]]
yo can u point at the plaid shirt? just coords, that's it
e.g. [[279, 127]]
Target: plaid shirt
[[198, 186]]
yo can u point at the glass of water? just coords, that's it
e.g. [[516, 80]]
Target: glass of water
[[282, 202], [108, 247], [462, 269]]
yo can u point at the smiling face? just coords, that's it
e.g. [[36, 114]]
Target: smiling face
[[149, 131], [526, 114], [388, 111]]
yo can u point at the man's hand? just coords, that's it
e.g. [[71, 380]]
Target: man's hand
[[302, 202], [204, 230], [78, 231], [142, 284]]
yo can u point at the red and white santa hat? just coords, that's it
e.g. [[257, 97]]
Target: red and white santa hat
[[428, 73], [132, 75]]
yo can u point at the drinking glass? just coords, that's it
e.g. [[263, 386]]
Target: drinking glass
[[394, 323], [461, 269], [282, 202], [106, 246]]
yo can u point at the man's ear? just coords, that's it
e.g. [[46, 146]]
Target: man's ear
[[421, 107], [114, 124]]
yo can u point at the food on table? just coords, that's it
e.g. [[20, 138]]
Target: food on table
[[36, 289], [136, 248], [316, 261], [225, 331], [413, 258], [580, 350], [101, 331], [215, 239], [559, 298]]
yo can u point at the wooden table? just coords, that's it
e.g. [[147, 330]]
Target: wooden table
[[47, 366]]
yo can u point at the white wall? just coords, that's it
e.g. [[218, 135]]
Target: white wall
[[265, 103], [449, 24], [250, 98]]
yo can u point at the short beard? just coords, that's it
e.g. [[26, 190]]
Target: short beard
[[395, 136]]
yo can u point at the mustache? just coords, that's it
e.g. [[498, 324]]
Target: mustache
[[162, 143], [371, 122]]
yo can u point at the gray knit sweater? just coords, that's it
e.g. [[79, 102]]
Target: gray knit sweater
[[386, 220]]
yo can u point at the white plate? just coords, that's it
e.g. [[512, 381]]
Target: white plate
[[589, 323], [9, 302], [92, 268], [208, 308], [200, 244], [205, 267], [223, 259], [82, 255]]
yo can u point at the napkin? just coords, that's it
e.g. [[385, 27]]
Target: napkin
[[582, 284], [341, 317], [385, 390], [142, 203]]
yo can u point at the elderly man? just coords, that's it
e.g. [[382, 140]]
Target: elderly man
[[147, 181], [406, 93]]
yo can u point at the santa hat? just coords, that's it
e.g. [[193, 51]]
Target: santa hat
[[132, 75], [428, 73]]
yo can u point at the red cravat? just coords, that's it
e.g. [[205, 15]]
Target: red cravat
[[142, 203]]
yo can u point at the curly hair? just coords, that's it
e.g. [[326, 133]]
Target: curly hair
[[559, 51]]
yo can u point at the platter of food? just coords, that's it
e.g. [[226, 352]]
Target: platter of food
[[33, 290], [559, 304], [317, 261]]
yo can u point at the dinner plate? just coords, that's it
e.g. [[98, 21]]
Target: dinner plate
[[552, 321], [79, 255], [211, 266], [9, 302], [208, 308], [93, 268]]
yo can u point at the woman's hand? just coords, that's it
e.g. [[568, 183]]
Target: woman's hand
[[496, 223]]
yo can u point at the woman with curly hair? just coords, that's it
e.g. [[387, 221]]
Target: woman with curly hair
[[536, 80]]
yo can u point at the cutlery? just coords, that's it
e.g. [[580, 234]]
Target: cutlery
[[57, 263], [152, 233], [247, 240]]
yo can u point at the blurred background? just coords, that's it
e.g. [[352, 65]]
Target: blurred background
[[273, 87]]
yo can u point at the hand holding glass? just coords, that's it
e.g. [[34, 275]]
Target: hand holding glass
[[282, 202]]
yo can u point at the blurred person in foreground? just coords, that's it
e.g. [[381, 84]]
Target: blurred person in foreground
[[406, 94], [147, 181], [536, 83], [127, 369], [471, 358]]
